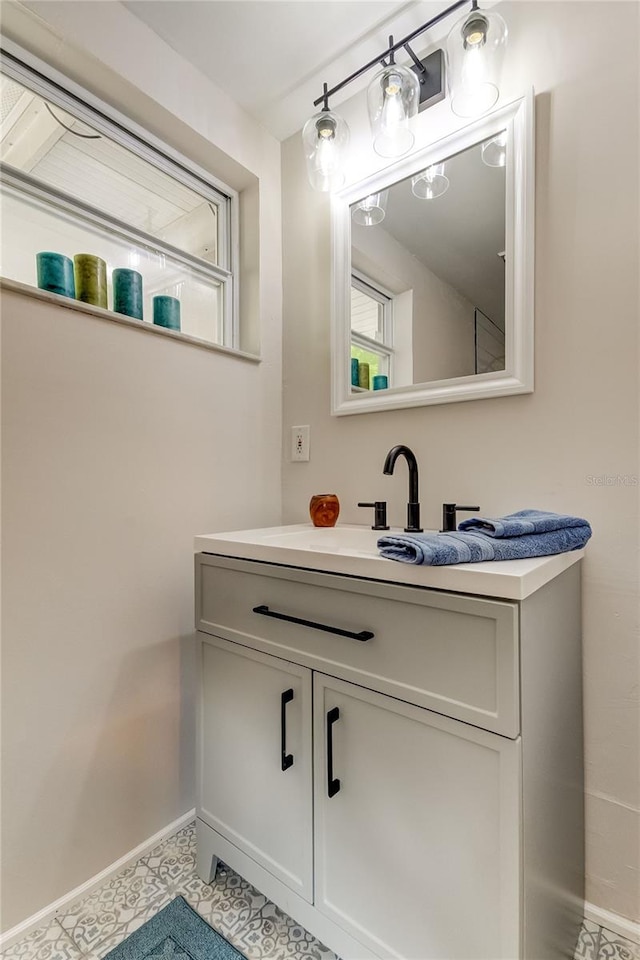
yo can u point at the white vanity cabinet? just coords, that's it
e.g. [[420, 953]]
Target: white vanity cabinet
[[256, 758], [431, 805], [417, 854]]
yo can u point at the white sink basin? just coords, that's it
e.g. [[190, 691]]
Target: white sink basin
[[346, 539], [352, 550]]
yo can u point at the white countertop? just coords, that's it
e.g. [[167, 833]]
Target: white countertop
[[352, 550]]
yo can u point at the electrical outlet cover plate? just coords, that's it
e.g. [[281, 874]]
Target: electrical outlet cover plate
[[299, 444]]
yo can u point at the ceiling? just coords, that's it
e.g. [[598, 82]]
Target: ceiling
[[72, 157], [272, 56]]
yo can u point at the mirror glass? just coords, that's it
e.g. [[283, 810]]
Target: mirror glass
[[433, 271], [428, 273]]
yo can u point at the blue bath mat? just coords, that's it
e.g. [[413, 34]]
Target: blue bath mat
[[176, 933]]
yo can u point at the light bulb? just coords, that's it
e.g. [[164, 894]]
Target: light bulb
[[474, 32], [393, 85], [393, 112], [326, 127], [326, 155]]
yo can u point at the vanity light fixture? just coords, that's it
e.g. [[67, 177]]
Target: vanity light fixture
[[393, 97], [431, 183], [325, 137], [371, 210], [475, 47], [494, 151]]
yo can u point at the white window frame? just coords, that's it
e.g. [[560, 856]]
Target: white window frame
[[45, 81], [383, 296]]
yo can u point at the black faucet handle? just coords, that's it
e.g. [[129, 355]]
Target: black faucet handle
[[450, 518], [380, 515]]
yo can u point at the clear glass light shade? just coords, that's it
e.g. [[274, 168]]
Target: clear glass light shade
[[325, 138], [431, 183], [494, 151], [371, 210], [392, 98], [475, 50]]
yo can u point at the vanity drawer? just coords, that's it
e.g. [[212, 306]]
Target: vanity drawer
[[454, 654]]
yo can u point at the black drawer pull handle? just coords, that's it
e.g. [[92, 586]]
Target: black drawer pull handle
[[287, 758], [333, 783], [265, 612]]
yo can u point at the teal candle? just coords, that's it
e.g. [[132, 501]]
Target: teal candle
[[127, 292], [55, 273], [91, 279], [166, 312], [380, 382], [355, 372]]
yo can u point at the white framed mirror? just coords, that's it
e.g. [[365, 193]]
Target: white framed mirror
[[433, 268]]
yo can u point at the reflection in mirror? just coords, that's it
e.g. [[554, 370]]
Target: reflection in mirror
[[428, 273]]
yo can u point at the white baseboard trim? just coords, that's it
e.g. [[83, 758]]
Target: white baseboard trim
[[40, 918], [612, 921]]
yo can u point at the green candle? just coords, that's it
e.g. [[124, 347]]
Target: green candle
[[166, 312], [91, 279], [55, 273], [127, 292]]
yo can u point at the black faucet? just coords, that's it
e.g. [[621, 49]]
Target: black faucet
[[413, 506]]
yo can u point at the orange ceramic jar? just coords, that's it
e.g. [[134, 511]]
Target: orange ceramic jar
[[324, 509]]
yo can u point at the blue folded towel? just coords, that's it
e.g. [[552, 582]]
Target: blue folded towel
[[521, 523], [440, 549]]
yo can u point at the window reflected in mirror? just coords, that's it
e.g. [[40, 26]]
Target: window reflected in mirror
[[428, 273], [371, 333]]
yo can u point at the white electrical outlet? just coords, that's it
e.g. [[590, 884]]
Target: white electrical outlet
[[299, 444]]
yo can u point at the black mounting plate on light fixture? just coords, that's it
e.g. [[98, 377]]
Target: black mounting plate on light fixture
[[431, 77]]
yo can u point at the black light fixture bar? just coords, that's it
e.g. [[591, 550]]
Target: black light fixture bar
[[391, 50]]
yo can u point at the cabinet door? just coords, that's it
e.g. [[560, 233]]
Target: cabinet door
[[417, 848], [255, 759]]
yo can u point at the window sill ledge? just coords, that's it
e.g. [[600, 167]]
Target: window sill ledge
[[101, 314]]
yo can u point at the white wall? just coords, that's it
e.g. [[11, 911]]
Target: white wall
[[554, 448], [118, 447]]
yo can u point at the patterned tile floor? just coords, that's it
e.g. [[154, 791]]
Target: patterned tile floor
[[95, 925], [596, 943], [257, 928]]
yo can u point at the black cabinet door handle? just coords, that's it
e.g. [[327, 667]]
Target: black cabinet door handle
[[264, 611], [333, 783], [287, 758]]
